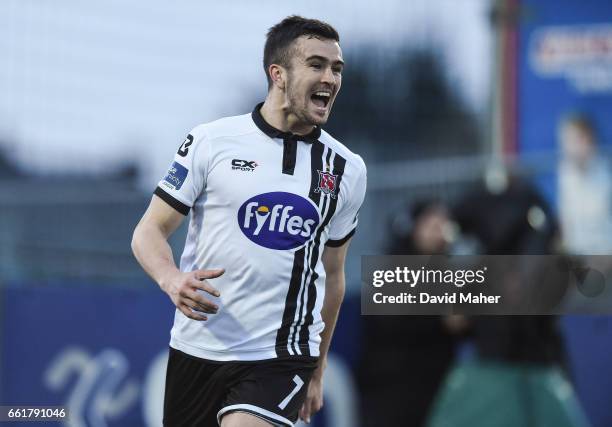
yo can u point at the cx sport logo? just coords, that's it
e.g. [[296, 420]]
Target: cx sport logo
[[278, 220], [244, 165]]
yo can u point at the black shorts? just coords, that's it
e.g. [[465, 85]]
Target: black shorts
[[199, 391]]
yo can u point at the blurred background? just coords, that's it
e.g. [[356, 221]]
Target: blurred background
[[486, 128]]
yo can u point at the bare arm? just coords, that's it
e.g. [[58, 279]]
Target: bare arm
[[333, 261], [151, 249]]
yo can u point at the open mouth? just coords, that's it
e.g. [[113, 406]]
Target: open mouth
[[321, 98]]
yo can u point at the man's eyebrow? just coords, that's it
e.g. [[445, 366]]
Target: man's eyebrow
[[324, 59]]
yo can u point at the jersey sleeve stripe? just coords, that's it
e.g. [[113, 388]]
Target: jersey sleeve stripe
[[176, 204], [337, 243]]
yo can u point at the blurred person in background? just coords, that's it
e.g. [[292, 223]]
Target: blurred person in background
[[405, 358], [520, 363], [507, 216], [585, 189], [275, 201]]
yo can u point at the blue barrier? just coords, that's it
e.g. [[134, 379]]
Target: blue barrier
[[102, 352]]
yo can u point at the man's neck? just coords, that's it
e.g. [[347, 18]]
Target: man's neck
[[275, 115]]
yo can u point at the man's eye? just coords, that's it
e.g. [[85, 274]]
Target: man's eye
[[316, 66], [338, 70]]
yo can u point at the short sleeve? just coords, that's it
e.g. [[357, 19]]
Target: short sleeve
[[186, 176], [344, 223]]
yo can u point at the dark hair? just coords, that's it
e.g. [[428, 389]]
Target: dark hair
[[281, 36], [423, 207]]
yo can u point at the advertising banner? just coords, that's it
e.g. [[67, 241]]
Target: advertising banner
[[564, 70]]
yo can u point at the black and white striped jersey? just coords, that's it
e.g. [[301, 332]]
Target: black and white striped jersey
[[263, 205]]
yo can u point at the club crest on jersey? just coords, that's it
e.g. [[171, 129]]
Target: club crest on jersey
[[327, 184], [278, 220]]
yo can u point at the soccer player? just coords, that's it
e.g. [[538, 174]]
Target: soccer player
[[274, 202]]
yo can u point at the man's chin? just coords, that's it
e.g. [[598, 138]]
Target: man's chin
[[318, 119], [310, 117]]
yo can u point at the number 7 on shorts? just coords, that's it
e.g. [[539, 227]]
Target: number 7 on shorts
[[298, 385]]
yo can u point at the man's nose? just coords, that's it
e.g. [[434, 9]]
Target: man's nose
[[328, 76]]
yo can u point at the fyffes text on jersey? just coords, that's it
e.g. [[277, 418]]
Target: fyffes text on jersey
[[278, 220]]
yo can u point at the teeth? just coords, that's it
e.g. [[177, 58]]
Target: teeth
[[327, 94]]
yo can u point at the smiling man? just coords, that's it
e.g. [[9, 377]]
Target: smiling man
[[274, 202]]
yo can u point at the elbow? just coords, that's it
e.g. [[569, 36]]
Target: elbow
[[134, 242]]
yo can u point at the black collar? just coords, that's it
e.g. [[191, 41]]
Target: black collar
[[272, 132]]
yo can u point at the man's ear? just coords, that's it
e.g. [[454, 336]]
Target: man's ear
[[278, 75]]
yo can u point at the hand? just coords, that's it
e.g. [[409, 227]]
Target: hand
[[314, 399], [182, 290]]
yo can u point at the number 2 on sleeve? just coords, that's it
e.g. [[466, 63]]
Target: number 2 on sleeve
[[298, 385]]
